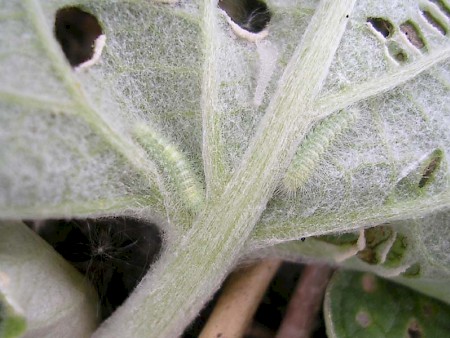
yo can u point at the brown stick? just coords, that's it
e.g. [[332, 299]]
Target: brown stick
[[240, 298], [301, 314]]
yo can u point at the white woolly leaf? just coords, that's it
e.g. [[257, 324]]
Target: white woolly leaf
[[334, 118]]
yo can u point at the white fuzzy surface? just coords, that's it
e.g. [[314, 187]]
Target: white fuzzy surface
[[69, 147]]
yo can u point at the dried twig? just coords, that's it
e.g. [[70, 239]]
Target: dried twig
[[301, 314], [240, 298]]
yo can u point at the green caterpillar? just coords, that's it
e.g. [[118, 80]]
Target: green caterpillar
[[317, 142], [176, 167]]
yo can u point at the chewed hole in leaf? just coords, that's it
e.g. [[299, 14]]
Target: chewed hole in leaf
[[433, 21], [413, 271], [414, 330], [77, 32], [113, 253], [397, 252], [251, 15], [397, 53], [369, 283], [418, 178], [384, 27], [429, 310], [442, 6], [363, 319], [376, 239], [431, 169], [413, 34]]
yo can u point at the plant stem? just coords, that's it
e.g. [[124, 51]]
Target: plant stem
[[301, 314], [193, 268], [241, 296]]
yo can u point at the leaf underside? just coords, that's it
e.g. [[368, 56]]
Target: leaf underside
[[161, 124]]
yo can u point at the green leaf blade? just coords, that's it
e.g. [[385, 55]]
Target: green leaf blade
[[362, 305]]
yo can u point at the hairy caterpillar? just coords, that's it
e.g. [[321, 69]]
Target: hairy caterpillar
[[172, 162], [314, 146]]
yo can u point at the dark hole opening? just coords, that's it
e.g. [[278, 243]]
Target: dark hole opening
[[414, 330], [434, 22], [381, 25], [413, 34], [114, 253], [397, 52], [76, 32], [401, 57], [413, 271], [429, 171], [251, 15]]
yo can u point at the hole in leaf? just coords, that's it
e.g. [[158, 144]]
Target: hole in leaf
[[397, 252], [420, 176], [414, 330], [369, 283], [76, 32], [412, 271], [429, 310], [375, 238], [442, 6], [251, 15], [113, 253], [434, 22], [431, 168], [397, 53], [363, 319], [412, 33], [382, 26]]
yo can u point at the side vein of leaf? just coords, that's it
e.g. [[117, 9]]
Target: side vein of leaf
[[376, 86], [36, 102], [79, 209], [295, 227], [215, 167]]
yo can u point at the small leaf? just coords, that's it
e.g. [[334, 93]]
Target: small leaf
[[12, 322], [362, 305], [54, 298]]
